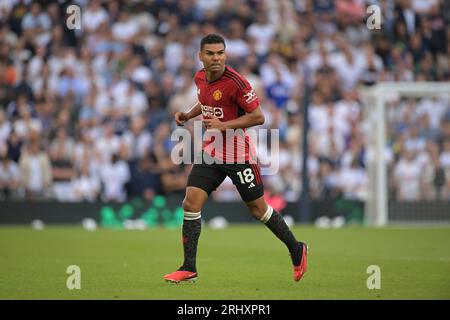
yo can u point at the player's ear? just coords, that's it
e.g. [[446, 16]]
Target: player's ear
[[200, 56]]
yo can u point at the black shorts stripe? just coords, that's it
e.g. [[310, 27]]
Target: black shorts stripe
[[240, 83]]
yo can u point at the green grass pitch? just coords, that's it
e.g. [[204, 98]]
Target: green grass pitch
[[239, 262]]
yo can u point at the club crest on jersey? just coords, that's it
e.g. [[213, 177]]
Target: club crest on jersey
[[250, 96], [210, 112], [217, 95]]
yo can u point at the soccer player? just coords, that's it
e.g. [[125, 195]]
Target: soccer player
[[226, 101]]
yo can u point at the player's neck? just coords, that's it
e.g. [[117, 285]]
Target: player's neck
[[212, 76]]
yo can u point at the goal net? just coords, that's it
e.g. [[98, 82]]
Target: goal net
[[408, 152]]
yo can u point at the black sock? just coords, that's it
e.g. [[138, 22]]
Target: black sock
[[191, 233], [279, 227]]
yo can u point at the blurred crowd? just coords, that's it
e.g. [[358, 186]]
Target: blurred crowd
[[86, 114]]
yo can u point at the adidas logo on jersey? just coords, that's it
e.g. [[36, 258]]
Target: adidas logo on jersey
[[251, 185]]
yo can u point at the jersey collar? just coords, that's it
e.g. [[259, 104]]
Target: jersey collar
[[209, 82]]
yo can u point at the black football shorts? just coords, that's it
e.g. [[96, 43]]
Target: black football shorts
[[246, 177]]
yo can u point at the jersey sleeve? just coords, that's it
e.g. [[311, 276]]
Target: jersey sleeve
[[196, 78], [246, 98]]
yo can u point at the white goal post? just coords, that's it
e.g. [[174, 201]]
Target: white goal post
[[374, 108]]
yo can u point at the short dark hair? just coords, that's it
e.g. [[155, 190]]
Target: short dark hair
[[212, 38]]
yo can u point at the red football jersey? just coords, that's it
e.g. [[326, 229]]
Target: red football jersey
[[227, 98]]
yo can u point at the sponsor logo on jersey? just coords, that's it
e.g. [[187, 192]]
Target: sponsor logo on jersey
[[250, 96], [210, 112], [217, 95]]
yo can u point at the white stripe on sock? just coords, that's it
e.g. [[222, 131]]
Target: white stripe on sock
[[192, 215], [267, 215]]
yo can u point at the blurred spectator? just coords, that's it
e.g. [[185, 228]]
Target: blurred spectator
[[84, 186], [26, 124], [444, 158], [83, 151], [349, 64], [70, 83], [325, 187], [407, 16], [407, 173], [186, 95], [125, 28], [108, 143], [36, 24], [278, 91], [352, 181], [36, 172], [413, 141], [114, 175], [430, 180], [94, 16], [261, 32], [443, 177], [5, 131], [14, 108], [61, 151], [132, 102], [14, 146], [373, 66], [426, 131], [145, 179], [237, 46], [9, 178], [137, 140]]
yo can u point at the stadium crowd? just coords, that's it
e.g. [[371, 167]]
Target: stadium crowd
[[86, 114]]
